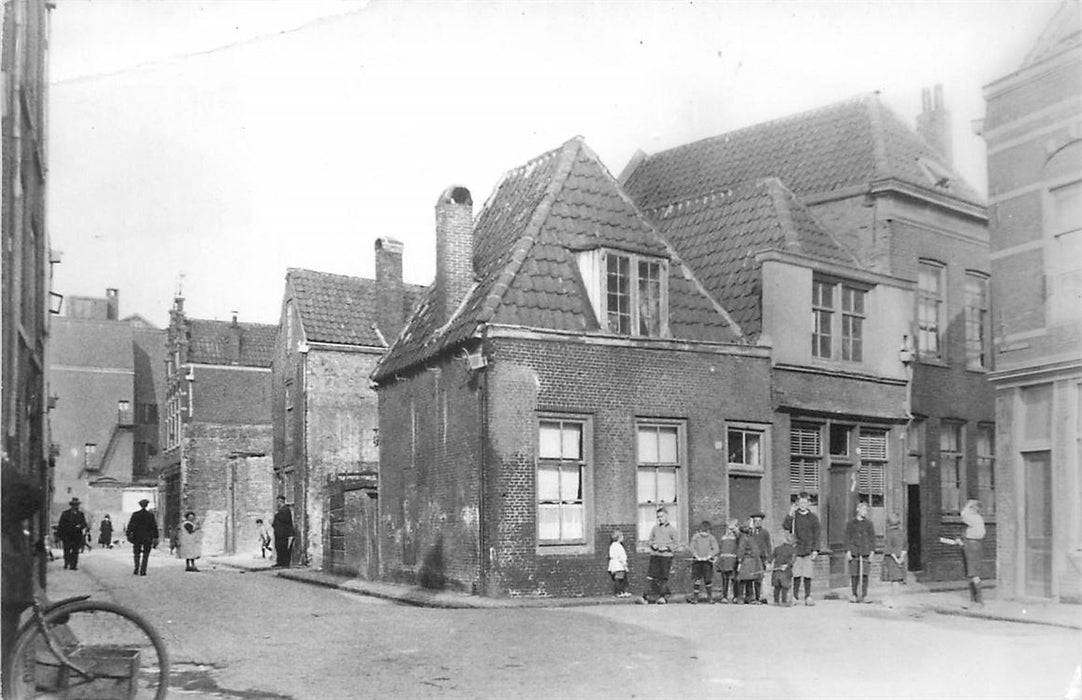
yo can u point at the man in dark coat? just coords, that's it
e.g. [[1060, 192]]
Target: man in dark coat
[[859, 545], [283, 533], [804, 524], [72, 530], [142, 532]]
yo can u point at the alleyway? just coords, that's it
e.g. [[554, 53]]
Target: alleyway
[[233, 634]]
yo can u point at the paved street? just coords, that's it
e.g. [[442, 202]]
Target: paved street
[[236, 634]]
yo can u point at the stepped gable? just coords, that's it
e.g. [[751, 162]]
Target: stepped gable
[[832, 149], [525, 240], [208, 343], [720, 234], [342, 309]]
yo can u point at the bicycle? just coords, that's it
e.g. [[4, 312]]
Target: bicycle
[[82, 648]]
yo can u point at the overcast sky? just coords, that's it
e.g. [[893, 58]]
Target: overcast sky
[[225, 141]]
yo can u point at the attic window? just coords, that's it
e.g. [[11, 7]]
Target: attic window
[[938, 176], [629, 292]]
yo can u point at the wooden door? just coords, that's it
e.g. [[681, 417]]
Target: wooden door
[[1038, 524], [839, 508]]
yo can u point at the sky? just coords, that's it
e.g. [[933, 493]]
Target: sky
[[206, 147]]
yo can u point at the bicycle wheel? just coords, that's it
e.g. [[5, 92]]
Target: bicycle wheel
[[111, 652]]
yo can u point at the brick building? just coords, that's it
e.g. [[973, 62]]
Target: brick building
[[106, 383], [1032, 128], [839, 385], [326, 426], [218, 428], [892, 199], [564, 375]]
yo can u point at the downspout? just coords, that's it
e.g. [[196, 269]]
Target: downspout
[[303, 514], [482, 491]]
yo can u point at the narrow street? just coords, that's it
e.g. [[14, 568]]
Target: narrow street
[[233, 634]]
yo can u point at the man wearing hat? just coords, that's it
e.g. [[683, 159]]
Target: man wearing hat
[[142, 532], [765, 547], [72, 530]]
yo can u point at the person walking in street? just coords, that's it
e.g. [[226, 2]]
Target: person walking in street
[[618, 565], [725, 563], [781, 563], [894, 556], [283, 534], [804, 525], [663, 541], [765, 547], [971, 548], [72, 530], [264, 538], [189, 547], [142, 532], [704, 548], [859, 545], [105, 532]]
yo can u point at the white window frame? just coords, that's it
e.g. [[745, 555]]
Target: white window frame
[[872, 475], [741, 431], [976, 320], [678, 509], [583, 544], [931, 304], [1065, 262], [952, 467], [986, 468], [839, 319], [806, 460], [593, 267]]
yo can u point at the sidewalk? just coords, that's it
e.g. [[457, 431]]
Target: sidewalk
[[946, 598]]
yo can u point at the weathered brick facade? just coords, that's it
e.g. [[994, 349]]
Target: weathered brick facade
[[1032, 129]]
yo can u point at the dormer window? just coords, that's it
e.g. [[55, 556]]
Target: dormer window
[[629, 292]]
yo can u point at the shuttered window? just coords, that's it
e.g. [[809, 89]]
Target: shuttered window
[[805, 459]]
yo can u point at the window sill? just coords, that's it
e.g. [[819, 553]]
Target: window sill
[[977, 370], [932, 362], [563, 549]]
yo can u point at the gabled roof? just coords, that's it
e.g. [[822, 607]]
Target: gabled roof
[[1063, 31], [208, 343], [720, 235], [844, 145], [343, 309], [525, 241]]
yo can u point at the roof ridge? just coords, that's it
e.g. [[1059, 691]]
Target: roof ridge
[[791, 201], [777, 193]]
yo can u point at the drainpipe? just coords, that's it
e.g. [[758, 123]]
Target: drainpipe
[[482, 491]]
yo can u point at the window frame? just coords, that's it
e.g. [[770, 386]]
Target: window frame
[[584, 544], [872, 470], [977, 314], [799, 478], [839, 319], [957, 457], [936, 300], [743, 430], [594, 268], [678, 509], [986, 468], [1063, 276]]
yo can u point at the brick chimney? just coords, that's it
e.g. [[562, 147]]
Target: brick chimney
[[454, 249], [934, 123], [391, 312], [232, 341], [112, 304]]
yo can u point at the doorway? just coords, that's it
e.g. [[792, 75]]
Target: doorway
[[743, 497], [912, 526], [840, 504], [1038, 524]]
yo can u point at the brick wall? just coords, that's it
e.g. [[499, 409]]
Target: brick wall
[[228, 395]]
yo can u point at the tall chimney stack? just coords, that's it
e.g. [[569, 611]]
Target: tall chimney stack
[[454, 249], [934, 123], [389, 289], [112, 304], [388, 260]]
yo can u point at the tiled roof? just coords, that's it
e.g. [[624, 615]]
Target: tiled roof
[[208, 343], [343, 309], [844, 145], [525, 240], [720, 234]]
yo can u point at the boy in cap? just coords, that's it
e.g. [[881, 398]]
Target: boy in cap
[[725, 564], [804, 525], [765, 548], [704, 547]]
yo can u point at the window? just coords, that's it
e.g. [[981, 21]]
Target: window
[[90, 461], [745, 450], [146, 413], [1066, 267], [871, 486], [840, 436], [951, 467], [287, 432], [1037, 413], [805, 458], [629, 292], [660, 461], [976, 321], [929, 310], [986, 468], [824, 304], [822, 318], [561, 467]]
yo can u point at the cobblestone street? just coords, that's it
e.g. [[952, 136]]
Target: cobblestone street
[[238, 634]]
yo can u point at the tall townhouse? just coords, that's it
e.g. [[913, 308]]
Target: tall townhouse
[[333, 329], [565, 375], [890, 198], [25, 289], [218, 428], [838, 383], [1033, 128], [106, 383]]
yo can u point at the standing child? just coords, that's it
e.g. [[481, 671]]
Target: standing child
[[704, 547], [749, 566], [859, 545], [618, 565], [725, 564], [188, 544], [894, 556], [782, 564]]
